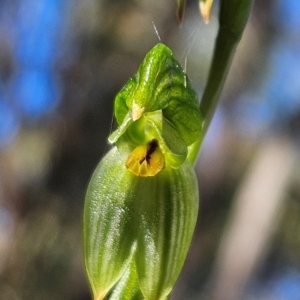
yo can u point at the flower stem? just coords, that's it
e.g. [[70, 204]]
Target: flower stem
[[233, 18]]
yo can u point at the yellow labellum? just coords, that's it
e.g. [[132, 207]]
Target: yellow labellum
[[146, 160]]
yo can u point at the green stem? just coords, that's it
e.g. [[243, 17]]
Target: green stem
[[233, 18]]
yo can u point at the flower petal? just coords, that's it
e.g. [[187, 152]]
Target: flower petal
[[108, 233], [168, 208]]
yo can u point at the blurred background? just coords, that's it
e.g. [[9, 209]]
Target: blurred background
[[61, 64]]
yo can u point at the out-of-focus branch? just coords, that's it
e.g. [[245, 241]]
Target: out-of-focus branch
[[255, 216]]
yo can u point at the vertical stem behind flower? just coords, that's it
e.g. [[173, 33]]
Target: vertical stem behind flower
[[233, 18]]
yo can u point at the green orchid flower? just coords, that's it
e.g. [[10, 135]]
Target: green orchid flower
[[147, 221], [142, 201], [158, 103]]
